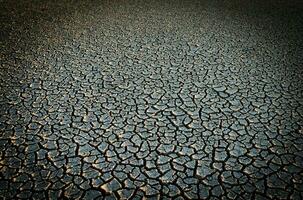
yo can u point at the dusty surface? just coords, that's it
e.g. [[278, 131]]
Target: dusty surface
[[132, 99]]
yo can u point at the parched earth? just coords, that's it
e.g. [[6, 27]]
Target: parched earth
[[151, 99]]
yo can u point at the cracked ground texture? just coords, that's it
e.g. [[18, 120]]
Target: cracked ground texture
[[151, 99]]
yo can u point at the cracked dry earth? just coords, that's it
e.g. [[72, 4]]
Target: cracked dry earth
[[156, 100]]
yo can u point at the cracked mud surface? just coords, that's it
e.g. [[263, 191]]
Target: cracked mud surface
[[169, 100]]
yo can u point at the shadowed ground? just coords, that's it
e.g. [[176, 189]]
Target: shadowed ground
[[155, 99]]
